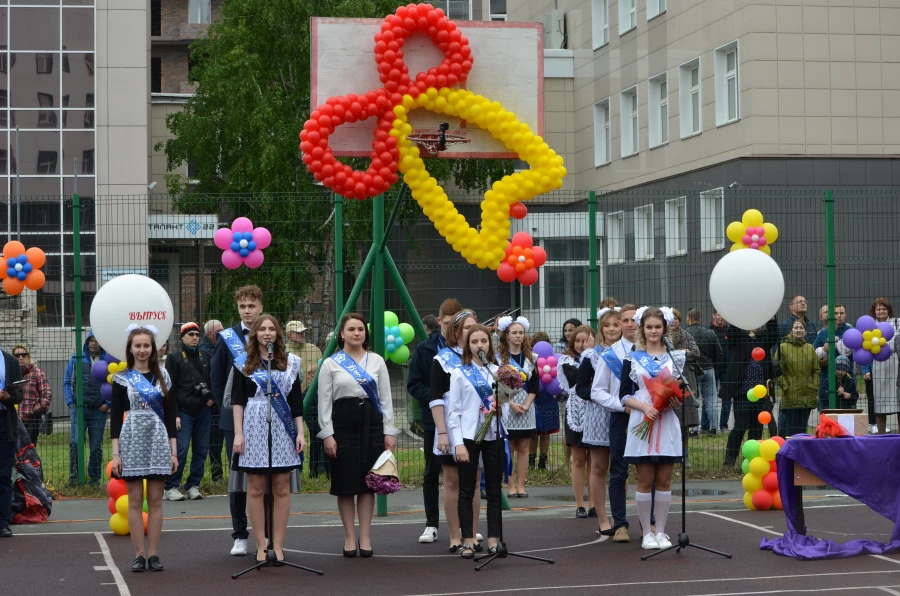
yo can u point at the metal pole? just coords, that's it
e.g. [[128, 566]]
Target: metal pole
[[378, 239], [76, 291], [404, 295], [829, 277], [338, 256], [18, 193], [396, 209], [592, 258]]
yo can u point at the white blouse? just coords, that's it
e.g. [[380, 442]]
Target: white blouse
[[335, 383], [605, 390], [464, 416]]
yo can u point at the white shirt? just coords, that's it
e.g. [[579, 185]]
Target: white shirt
[[464, 416], [605, 389], [335, 383]]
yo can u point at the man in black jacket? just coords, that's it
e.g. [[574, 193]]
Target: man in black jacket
[[249, 304], [418, 386], [710, 353], [189, 370], [10, 372]]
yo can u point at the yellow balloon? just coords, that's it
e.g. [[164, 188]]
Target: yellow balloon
[[760, 391], [759, 467], [118, 523], [145, 488], [768, 449], [765, 249], [737, 246], [867, 335], [735, 231], [111, 368], [122, 505], [876, 332], [751, 482], [867, 345], [109, 379], [748, 501], [752, 217], [771, 232], [876, 349]]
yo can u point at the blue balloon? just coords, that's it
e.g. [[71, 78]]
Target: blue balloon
[[252, 245], [395, 331], [22, 275], [390, 347], [244, 252], [11, 261], [22, 259], [27, 268], [248, 236], [237, 236], [235, 246], [387, 330], [11, 272]]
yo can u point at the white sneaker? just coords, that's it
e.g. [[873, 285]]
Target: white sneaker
[[650, 543], [194, 493], [873, 430], [663, 540], [429, 535], [173, 494], [479, 537], [240, 547]]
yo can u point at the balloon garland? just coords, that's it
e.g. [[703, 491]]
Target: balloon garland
[[23, 268]]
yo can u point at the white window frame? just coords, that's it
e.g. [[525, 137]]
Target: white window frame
[[676, 227], [199, 12], [712, 220], [602, 134], [615, 238], [495, 16], [445, 6], [686, 93], [655, 8], [599, 23], [629, 108], [644, 240], [658, 110], [723, 78], [627, 16]]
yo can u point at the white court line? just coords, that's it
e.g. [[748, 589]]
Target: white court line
[[760, 528], [889, 591], [799, 590], [444, 556], [117, 575], [669, 582], [890, 560]]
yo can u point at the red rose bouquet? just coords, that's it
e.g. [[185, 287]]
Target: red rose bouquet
[[663, 387]]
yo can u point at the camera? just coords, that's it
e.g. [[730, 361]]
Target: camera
[[203, 391]]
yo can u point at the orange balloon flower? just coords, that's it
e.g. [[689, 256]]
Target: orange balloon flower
[[22, 268]]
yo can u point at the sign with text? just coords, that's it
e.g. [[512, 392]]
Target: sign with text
[[182, 227]]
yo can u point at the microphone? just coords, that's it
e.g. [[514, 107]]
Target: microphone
[[668, 343], [483, 357], [269, 347]]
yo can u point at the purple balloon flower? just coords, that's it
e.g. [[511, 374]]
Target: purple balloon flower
[[542, 349], [99, 371]]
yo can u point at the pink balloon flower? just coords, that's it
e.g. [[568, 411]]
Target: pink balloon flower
[[242, 244]]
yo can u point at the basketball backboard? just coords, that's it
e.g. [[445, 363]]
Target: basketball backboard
[[508, 67]]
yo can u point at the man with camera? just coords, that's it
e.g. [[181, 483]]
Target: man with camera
[[189, 370]]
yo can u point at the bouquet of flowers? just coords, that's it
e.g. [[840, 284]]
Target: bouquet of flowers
[[510, 380], [382, 478], [662, 389]]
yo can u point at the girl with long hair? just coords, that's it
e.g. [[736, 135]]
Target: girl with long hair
[[519, 417], [249, 398], [581, 340], [144, 445]]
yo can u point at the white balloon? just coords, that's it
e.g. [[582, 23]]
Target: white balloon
[[747, 288], [126, 300]]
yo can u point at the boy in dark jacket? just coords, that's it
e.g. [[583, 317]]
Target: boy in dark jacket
[[95, 409], [847, 393]]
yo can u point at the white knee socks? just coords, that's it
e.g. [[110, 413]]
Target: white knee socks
[[663, 500], [644, 505]]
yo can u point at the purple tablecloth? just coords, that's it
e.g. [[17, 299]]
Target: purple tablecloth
[[865, 468]]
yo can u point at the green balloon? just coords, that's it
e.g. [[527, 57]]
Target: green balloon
[[144, 506], [750, 449], [745, 466], [407, 332], [390, 319], [400, 355], [750, 395]]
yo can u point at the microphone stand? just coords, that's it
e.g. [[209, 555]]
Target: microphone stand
[[269, 499], [502, 552], [683, 540]]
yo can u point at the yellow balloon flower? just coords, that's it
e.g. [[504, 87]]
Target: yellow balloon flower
[[752, 232]]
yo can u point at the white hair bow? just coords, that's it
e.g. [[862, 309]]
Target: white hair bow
[[504, 322], [153, 329], [668, 314], [606, 309], [639, 314]]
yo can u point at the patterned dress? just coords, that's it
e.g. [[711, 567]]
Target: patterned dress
[[143, 437], [526, 421], [596, 417]]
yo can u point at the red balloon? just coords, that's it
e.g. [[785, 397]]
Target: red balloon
[[506, 273], [518, 210], [770, 481], [773, 467], [528, 277], [522, 239], [116, 488], [779, 440], [758, 354], [111, 506], [539, 256], [763, 500]]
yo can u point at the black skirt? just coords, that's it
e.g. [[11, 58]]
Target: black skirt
[[521, 435], [359, 433]]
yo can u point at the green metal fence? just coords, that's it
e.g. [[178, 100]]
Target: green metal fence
[[645, 247]]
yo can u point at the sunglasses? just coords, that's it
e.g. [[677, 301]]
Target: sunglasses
[[192, 334], [21, 355]]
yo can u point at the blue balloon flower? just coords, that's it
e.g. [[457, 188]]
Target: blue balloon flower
[[237, 236], [244, 252]]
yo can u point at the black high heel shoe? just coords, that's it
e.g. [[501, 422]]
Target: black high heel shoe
[[363, 552], [278, 562], [350, 553]]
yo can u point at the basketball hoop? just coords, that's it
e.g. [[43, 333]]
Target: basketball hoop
[[432, 142]]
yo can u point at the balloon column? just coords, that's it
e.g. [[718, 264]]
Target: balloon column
[[396, 336], [760, 480], [23, 268], [546, 367], [869, 340], [434, 90], [752, 232], [118, 503], [242, 244]]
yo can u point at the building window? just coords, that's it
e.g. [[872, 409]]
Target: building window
[[658, 111], [627, 16], [676, 227], [199, 12], [690, 119], [615, 238], [87, 161], [628, 107], [43, 63], [728, 90], [498, 10], [155, 74], [643, 233], [655, 8], [156, 18], [47, 118], [46, 162], [600, 22], [456, 9], [602, 154], [712, 220]]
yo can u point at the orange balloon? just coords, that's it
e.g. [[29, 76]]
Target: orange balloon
[[776, 500], [13, 248], [146, 519], [12, 286], [764, 417], [35, 280], [36, 257]]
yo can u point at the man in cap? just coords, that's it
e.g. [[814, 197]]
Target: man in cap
[[309, 354]]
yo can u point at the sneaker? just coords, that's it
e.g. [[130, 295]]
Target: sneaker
[[592, 512], [621, 535], [873, 430], [663, 540], [694, 433], [193, 493], [240, 547], [650, 543], [429, 535], [173, 494], [478, 537], [581, 513]]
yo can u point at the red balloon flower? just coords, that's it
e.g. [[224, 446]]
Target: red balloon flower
[[521, 260]]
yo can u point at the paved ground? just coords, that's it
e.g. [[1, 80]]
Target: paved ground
[[83, 558]]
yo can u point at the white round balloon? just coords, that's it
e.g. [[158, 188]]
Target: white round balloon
[[126, 300], [747, 288]]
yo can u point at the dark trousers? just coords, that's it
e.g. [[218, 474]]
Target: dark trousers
[[725, 414], [33, 427], [870, 401], [7, 461], [493, 456], [745, 421], [618, 469], [216, 442], [194, 434], [431, 482], [793, 421], [237, 501]]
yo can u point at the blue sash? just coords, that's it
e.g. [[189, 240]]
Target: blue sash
[[515, 365], [279, 402], [235, 345], [362, 377], [451, 357], [647, 363], [148, 392], [483, 388], [612, 361]]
